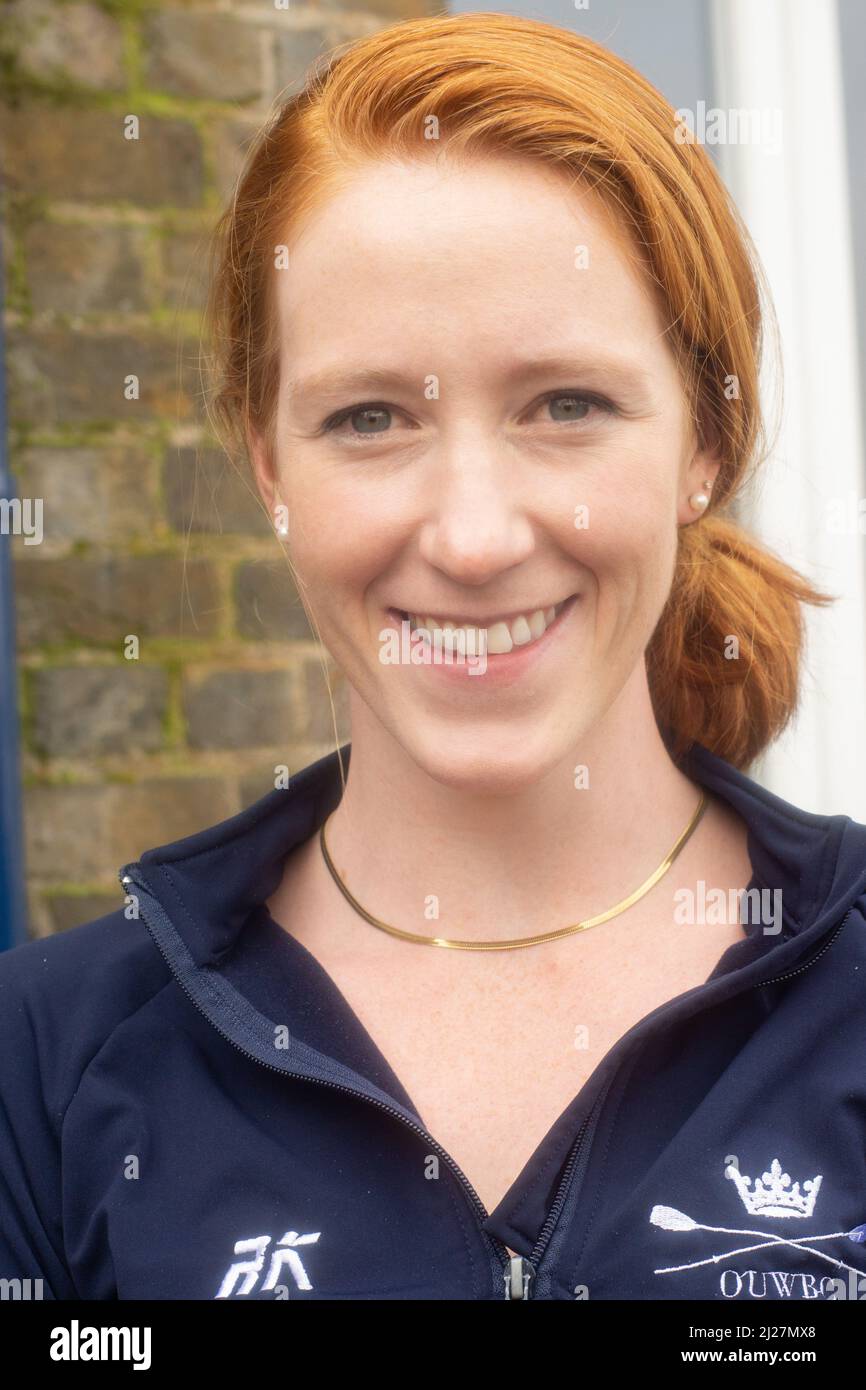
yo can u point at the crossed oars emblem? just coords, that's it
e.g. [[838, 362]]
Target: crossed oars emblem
[[669, 1219], [775, 1194]]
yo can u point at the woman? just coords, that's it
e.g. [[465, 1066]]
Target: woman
[[537, 994]]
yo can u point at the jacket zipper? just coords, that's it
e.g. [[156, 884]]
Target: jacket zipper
[[518, 1272], [555, 1212], [499, 1247]]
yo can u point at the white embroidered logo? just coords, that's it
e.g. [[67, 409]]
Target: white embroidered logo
[[771, 1196], [249, 1270]]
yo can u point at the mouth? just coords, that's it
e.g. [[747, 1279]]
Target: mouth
[[501, 634]]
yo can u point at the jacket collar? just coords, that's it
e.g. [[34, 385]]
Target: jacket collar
[[819, 862], [209, 883]]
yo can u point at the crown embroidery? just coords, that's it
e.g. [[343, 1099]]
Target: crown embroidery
[[773, 1194]]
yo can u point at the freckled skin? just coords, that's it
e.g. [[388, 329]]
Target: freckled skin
[[466, 504]]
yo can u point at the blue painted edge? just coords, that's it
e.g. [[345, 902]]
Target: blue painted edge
[[13, 913]]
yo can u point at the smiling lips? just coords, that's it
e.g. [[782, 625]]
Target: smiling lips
[[501, 637]]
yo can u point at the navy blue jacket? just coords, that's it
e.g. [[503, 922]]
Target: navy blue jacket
[[190, 1110]]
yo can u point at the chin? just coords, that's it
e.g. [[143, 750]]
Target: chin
[[497, 763]]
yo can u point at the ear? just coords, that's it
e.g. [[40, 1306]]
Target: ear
[[265, 474], [700, 475]]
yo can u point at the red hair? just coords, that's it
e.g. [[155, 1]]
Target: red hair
[[497, 84]]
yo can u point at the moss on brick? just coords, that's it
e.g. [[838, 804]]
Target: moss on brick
[[174, 720]]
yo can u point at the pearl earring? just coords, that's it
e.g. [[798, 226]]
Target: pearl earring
[[699, 501]]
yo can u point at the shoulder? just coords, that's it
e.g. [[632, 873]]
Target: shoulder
[[60, 1001], [61, 997]]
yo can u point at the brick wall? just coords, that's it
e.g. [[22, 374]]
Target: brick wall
[[147, 530]]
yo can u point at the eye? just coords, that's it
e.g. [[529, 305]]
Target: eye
[[568, 407], [368, 418]]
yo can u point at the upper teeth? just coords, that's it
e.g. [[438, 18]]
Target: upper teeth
[[502, 636]]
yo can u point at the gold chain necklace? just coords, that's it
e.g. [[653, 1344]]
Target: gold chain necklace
[[517, 942]]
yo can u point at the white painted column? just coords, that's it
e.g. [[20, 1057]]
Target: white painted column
[[784, 54]]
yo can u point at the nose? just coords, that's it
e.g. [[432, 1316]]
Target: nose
[[477, 524]]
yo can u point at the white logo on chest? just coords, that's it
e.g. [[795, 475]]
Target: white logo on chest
[[285, 1253], [772, 1195]]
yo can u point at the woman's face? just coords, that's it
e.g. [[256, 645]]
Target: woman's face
[[478, 422]]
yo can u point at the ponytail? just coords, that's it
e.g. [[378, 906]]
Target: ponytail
[[724, 661]]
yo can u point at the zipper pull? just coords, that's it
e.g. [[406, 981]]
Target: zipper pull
[[518, 1277]]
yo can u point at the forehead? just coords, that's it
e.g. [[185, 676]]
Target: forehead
[[478, 248]]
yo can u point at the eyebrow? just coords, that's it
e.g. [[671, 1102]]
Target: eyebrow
[[622, 371]]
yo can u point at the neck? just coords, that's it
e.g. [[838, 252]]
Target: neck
[[515, 863]]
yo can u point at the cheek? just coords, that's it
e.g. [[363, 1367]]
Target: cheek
[[627, 487], [338, 547], [619, 531], [625, 537]]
